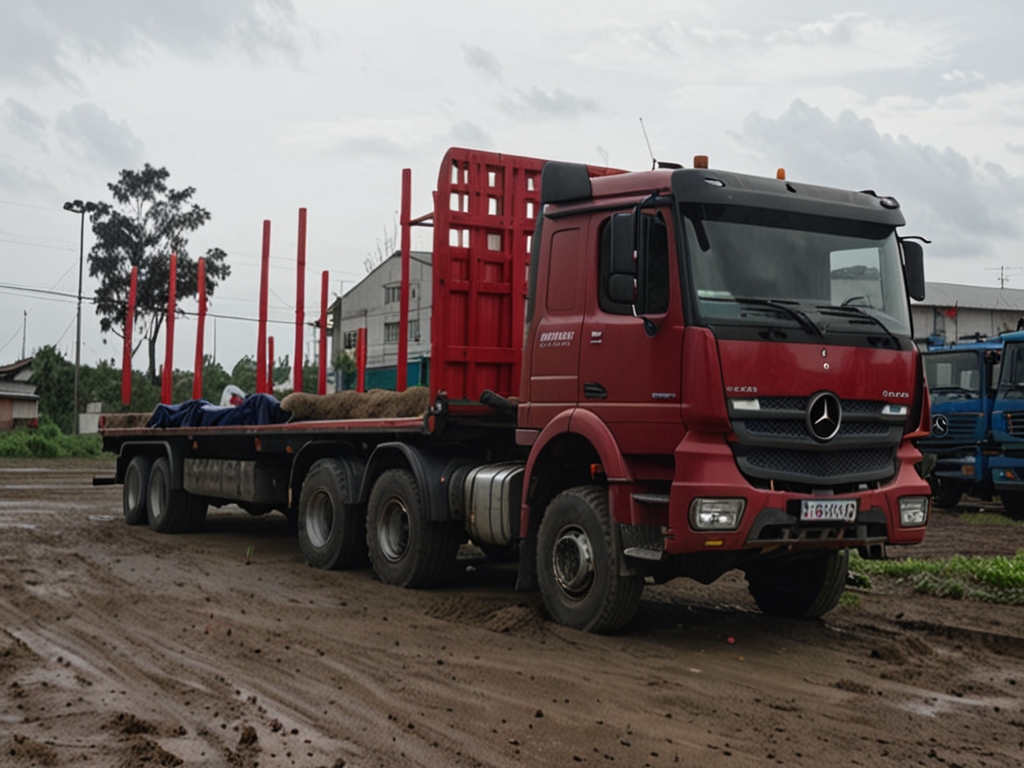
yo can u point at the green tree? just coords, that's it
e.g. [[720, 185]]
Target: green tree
[[146, 223], [54, 378], [244, 374]]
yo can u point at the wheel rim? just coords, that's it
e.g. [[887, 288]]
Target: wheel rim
[[393, 530], [320, 519], [133, 488], [157, 495], [572, 560]]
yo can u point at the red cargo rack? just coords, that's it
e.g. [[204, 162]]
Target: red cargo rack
[[485, 210]]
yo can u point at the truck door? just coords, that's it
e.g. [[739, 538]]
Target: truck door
[[628, 378], [554, 356]]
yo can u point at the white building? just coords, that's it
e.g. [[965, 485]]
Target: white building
[[374, 304], [957, 312]]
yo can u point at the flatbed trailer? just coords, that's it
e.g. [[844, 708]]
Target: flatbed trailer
[[634, 377]]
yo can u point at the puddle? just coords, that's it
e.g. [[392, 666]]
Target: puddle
[[932, 703], [102, 518], [23, 526]]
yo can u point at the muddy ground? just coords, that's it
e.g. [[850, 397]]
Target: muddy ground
[[122, 647]]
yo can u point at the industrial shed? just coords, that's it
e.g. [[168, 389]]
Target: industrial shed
[[19, 403]]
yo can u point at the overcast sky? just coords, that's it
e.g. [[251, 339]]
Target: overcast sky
[[265, 106]]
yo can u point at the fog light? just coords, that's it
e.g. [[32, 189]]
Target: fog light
[[716, 514], [913, 511]]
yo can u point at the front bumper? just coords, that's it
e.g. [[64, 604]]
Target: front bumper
[[705, 467]]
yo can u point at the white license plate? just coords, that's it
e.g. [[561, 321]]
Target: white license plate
[[831, 511]]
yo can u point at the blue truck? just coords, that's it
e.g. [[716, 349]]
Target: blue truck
[[962, 381], [1007, 427]]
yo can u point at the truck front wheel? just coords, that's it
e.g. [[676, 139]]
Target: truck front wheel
[[136, 484], [331, 533], [406, 549], [946, 493], [579, 564], [799, 586], [1013, 504], [172, 511]]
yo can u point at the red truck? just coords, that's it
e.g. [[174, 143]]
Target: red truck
[[634, 377]]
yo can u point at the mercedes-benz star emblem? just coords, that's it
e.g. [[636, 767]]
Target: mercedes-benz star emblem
[[824, 415], [940, 426]]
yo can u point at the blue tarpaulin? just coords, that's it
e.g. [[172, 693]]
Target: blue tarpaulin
[[254, 410]]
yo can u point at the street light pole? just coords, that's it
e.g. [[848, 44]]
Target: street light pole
[[80, 208]]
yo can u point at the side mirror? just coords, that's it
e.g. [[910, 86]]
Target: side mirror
[[913, 268]]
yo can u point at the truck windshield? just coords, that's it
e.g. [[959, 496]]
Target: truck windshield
[[1011, 377], [754, 266], [953, 375]]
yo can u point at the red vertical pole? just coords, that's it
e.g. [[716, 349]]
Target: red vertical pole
[[261, 343], [321, 381], [197, 375], [167, 377], [361, 360], [129, 324], [300, 299], [403, 307], [270, 367]]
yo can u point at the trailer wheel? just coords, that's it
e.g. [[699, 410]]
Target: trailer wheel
[[579, 563], [945, 493], [332, 533], [799, 586], [1013, 504], [172, 511], [406, 549], [136, 484]]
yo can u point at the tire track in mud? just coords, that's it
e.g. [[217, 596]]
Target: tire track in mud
[[172, 648]]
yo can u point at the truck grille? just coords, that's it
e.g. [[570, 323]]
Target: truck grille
[[962, 426], [1015, 423], [773, 444]]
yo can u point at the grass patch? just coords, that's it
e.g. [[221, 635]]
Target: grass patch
[[990, 519], [849, 600], [48, 442], [991, 579]]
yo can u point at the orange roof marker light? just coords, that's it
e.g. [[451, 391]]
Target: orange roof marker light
[[700, 161], [781, 174]]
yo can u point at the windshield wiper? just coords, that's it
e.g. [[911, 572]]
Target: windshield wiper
[[801, 317], [849, 310]]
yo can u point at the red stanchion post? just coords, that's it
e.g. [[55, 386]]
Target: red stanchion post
[[403, 306], [321, 380], [167, 377], [261, 343], [129, 324], [197, 374], [361, 360], [270, 367], [300, 299]]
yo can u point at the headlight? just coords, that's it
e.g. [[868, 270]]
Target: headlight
[[913, 511], [716, 514]]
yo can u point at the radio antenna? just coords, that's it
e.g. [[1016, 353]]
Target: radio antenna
[[654, 163]]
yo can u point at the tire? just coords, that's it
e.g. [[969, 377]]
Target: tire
[[579, 563], [332, 534], [945, 493], [136, 484], [800, 586], [406, 549], [172, 511], [1013, 504]]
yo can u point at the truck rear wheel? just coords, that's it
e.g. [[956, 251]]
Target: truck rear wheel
[[332, 534], [136, 484], [406, 549], [172, 510], [579, 564], [1013, 504], [799, 586]]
